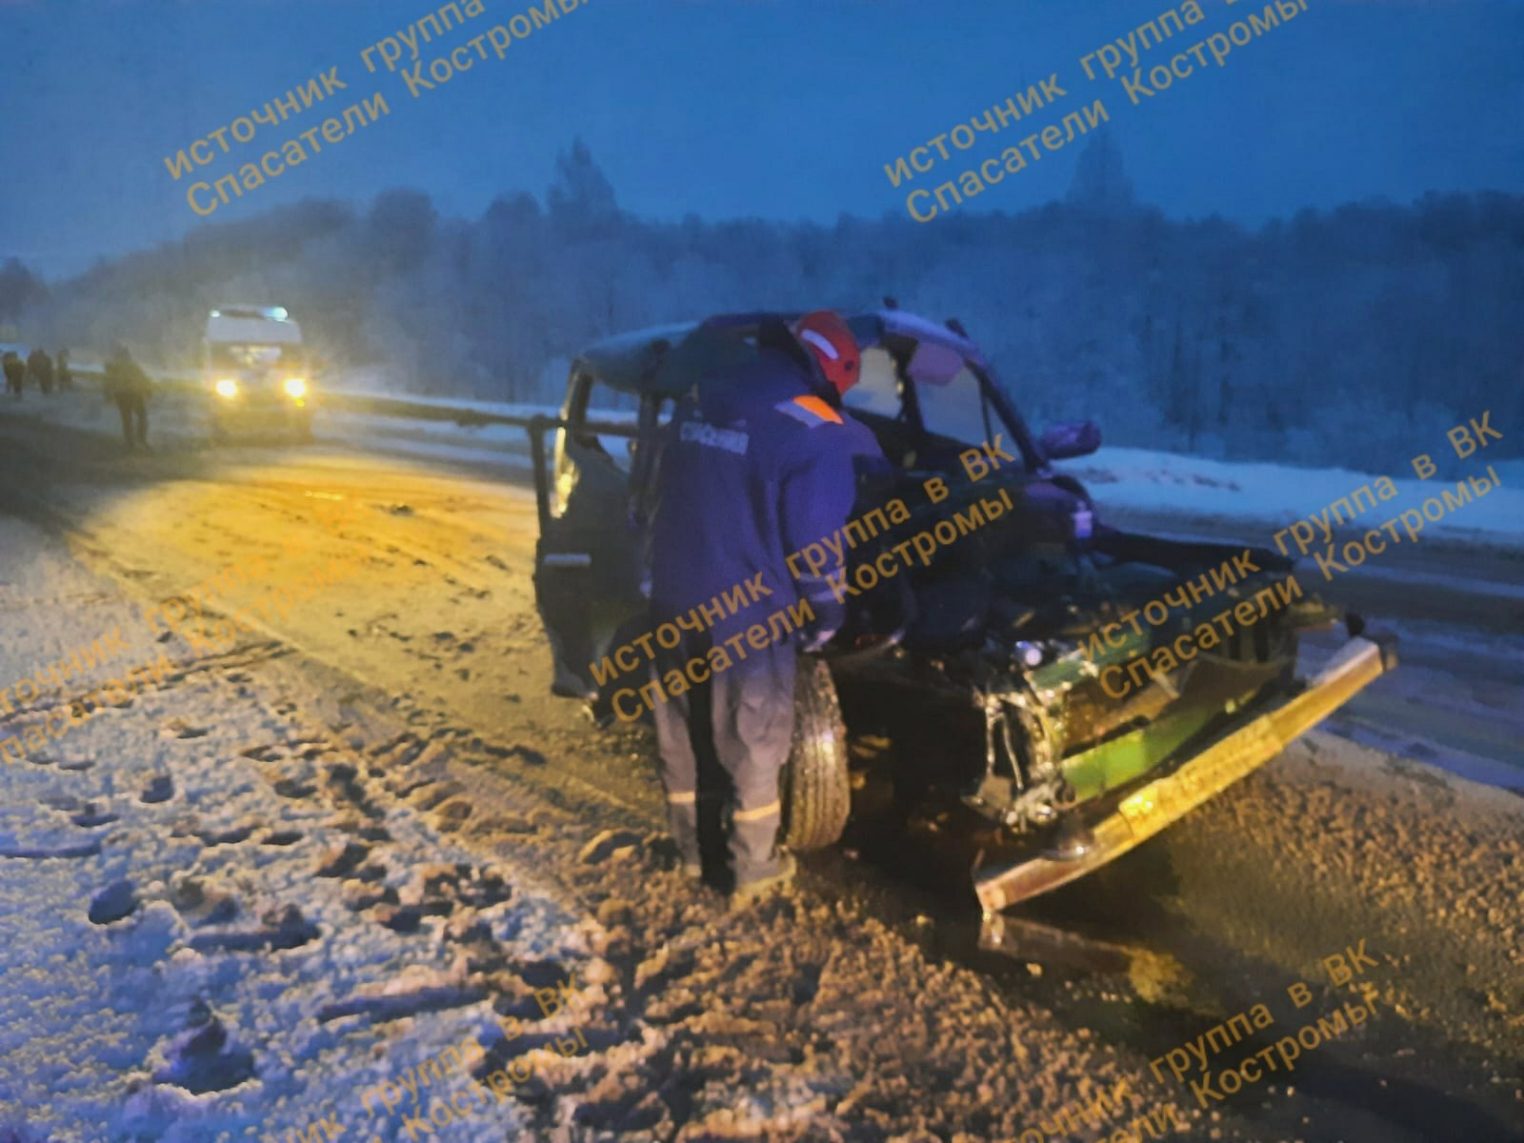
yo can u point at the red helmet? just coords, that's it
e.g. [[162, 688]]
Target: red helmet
[[827, 336]]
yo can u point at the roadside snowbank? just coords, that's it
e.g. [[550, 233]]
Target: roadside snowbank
[[1275, 494]]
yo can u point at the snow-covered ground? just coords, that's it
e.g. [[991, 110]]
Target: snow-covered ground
[[1274, 495], [305, 839], [224, 918], [252, 902]]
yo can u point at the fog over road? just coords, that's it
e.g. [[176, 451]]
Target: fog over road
[[864, 1009]]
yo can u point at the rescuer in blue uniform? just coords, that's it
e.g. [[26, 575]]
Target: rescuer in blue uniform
[[760, 465]]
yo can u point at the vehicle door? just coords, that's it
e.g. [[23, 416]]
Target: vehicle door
[[589, 561]]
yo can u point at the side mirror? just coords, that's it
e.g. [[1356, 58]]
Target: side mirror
[[1069, 439]]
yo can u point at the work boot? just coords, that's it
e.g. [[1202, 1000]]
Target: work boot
[[672, 858], [748, 892]]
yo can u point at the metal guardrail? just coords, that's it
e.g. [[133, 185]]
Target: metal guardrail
[[410, 408], [535, 425]]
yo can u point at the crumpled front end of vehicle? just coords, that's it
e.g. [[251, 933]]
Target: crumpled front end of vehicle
[[1127, 818]]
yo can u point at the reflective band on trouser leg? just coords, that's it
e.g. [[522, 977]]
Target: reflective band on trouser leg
[[679, 774], [761, 813], [753, 731], [753, 842]]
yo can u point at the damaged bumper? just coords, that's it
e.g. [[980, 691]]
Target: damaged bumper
[[1164, 800]]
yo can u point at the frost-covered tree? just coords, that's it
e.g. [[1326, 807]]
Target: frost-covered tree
[[400, 229], [1100, 184], [19, 290], [581, 199], [1317, 338]]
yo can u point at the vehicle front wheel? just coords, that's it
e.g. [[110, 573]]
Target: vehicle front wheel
[[816, 788]]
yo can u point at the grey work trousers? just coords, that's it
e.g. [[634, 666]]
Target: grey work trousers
[[726, 740]]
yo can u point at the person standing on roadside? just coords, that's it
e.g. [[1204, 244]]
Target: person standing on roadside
[[15, 373], [39, 367], [65, 378], [128, 386], [754, 467]]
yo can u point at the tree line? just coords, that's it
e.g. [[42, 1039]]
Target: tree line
[[1339, 336]]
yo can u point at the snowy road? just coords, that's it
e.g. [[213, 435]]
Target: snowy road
[[1459, 612], [334, 842]]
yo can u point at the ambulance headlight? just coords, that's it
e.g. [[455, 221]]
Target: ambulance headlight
[[296, 387], [227, 388]]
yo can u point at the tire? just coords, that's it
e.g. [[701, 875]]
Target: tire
[[815, 787]]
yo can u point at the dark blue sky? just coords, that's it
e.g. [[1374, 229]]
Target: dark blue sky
[[778, 108]]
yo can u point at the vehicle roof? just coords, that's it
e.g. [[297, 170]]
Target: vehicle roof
[[252, 325], [671, 359]]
